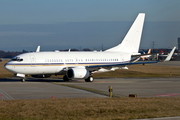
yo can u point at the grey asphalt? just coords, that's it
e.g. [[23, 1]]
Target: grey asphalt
[[12, 88], [163, 118]]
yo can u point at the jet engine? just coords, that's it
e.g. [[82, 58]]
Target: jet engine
[[78, 73], [40, 76]]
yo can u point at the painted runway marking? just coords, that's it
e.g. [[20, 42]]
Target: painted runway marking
[[5, 96]]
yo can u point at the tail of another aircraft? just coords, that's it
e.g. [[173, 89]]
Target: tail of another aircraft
[[170, 55], [131, 41], [149, 51]]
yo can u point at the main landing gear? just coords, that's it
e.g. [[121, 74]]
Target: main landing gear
[[89, 79], [66, 79]]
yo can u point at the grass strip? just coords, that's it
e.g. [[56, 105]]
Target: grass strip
[[89, 108]]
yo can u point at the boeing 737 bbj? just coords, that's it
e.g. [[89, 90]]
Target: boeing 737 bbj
[[79, 65]]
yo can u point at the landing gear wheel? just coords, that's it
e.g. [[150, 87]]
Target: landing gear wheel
[[65, 78], [23, 80], [89, 79]]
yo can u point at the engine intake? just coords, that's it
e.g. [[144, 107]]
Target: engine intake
[[78, 73]]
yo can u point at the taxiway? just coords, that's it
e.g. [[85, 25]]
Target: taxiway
[[12, 88]]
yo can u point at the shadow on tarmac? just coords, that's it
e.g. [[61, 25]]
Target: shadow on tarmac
[[33, 80]]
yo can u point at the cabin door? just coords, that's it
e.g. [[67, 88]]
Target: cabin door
[[33, 60]]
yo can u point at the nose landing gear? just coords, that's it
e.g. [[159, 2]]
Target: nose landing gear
[[23, 80]]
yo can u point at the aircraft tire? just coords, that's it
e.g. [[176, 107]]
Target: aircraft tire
[[89, 79], [65, 78], [23, 80]]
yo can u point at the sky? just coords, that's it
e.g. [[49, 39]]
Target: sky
[[64, 24]]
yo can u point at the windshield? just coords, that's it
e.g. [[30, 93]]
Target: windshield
[[17, 59]]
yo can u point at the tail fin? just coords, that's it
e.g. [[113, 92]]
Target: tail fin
[[149, 51], [170, 55], [132, 39], [38, 49]]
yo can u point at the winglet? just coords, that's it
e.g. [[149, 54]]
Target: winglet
[[170, 55], [38, 49], [131, 41]]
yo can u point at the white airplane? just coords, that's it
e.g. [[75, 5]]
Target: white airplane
[[79, 65]]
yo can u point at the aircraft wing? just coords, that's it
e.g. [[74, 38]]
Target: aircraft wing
[[122, 64], [143, 55]]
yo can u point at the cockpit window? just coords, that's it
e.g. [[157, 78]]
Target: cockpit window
[[17, 59]]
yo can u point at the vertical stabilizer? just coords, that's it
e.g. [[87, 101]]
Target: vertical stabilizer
[[132, 39], [170, 55], [149, 51], [38, 49]]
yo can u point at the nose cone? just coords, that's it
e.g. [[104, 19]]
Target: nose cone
[[8, 67]]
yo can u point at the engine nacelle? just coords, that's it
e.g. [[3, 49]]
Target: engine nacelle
[[78, 73], [40, 76]]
